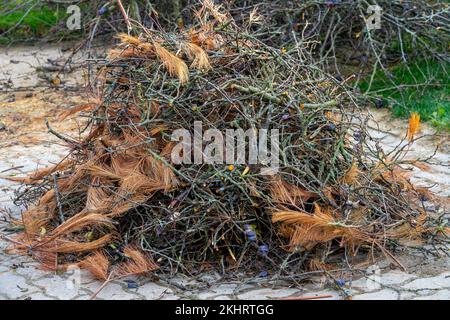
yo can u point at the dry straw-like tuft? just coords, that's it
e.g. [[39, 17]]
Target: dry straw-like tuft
[[198, 56], [285, 193], [320, 227], [414, 126], [174, 65], [146, 47], [67, 246], [97, 263], [351, 176], [76, 109], [214, 10], [138, 263], [78, 222]]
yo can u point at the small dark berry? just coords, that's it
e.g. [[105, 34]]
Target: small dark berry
[[380, 103]]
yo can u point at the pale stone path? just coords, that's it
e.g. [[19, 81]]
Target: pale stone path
[[390, 133]]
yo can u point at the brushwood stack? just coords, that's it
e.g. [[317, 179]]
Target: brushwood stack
[[119, 205]]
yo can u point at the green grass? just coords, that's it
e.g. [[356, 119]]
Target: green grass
[[25, 25], [424, 87]]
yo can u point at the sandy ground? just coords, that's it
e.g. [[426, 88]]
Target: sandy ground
[[39, 83], [432, 146]]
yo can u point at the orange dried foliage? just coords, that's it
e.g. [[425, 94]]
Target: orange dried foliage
[[175, 66], [414, 126], [319, 227], [351, 176], [286, 193]]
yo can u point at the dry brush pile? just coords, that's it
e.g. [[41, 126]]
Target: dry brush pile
[[406, 29], [117, 205]]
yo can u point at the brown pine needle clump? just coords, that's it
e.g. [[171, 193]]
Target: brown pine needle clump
[[198, 56], [174, 65], [414, 126]]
